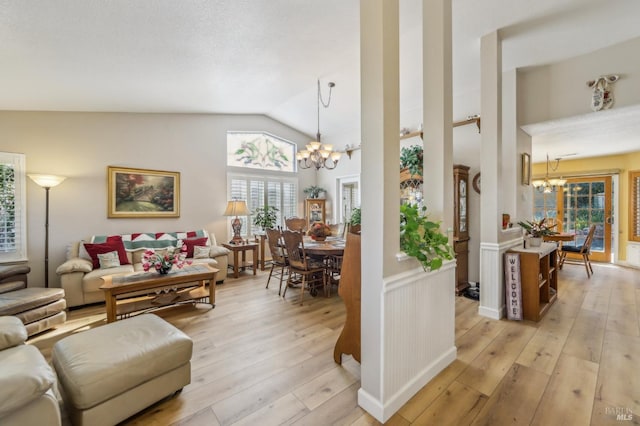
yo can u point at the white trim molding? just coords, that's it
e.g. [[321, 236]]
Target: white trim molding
[[418, 336], [492, 304]]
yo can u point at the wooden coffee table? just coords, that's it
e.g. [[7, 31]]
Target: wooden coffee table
[[125, 294]]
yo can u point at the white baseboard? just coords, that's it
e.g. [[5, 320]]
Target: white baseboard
[[383, 411]]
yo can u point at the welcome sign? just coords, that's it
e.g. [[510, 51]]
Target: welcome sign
[[513, 286]]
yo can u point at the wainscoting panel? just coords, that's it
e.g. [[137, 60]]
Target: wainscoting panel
[[492, 302], [418, 333]]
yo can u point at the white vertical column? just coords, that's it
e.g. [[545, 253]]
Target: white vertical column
[[491, 290], [437, 110], [380, 178]]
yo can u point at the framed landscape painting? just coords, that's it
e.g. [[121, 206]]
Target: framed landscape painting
[[141, 193]]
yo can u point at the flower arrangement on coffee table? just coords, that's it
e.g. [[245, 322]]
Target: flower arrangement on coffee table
[[319, 231], [163, 262]]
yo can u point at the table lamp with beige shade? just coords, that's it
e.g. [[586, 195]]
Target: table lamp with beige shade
[[236, 208]]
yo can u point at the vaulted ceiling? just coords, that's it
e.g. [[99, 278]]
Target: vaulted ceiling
[[264, 56]]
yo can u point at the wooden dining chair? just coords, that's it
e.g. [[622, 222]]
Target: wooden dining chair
[[311, 271], [583, 250], [336, 229], [333, 269], [279, 262], [295, 223]]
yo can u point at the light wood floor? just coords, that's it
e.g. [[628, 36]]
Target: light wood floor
[[259, 359]]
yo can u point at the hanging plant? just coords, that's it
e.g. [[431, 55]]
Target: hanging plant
[[422, 238], [412, 158]]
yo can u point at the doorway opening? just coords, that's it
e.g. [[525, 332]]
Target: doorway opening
[[584, 201]]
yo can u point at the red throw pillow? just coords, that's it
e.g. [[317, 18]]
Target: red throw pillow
[[191, 242], [113, 243]]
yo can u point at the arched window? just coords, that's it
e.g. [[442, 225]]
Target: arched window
[[268, 177], [260, 150]]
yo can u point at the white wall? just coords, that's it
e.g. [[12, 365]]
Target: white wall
[[559, 90], [82, 145]]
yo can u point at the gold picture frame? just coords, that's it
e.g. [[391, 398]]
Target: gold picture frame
[[526, 169], [142, 193]]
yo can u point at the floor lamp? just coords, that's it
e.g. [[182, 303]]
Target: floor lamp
[[47, 182]]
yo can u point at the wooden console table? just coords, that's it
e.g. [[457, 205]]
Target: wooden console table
[[243, 248], [141, 291], [539, 279]]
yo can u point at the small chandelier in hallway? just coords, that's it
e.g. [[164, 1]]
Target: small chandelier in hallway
[[547, 185], [317, 154]]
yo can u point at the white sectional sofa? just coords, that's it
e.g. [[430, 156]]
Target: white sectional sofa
[[26, 380], [81, 280]]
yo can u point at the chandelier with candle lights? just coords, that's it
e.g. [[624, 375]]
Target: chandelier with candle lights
[[317, 154], [547, 184]]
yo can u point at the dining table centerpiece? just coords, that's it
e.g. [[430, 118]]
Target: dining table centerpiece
[[164, 261], [537, 230], [319, 231]]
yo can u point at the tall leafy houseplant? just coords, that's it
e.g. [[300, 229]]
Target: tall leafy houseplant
[[265, 217], [355, 216], [412, 158], [422, 239]]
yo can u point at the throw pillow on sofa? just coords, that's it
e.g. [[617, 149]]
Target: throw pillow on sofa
[[109, 260], [113, 243], [200, 252], [190, 243]]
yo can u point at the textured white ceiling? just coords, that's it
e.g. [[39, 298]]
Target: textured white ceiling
[[264, 56]]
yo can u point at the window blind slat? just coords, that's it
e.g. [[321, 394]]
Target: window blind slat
[[12, 211]]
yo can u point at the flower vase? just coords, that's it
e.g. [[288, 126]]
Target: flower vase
[[319, 238], [535, 241], [164, 270]]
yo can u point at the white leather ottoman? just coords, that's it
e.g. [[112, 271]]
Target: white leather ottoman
[[109, 373]]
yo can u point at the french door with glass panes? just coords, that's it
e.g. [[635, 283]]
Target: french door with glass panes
[[583, 202]]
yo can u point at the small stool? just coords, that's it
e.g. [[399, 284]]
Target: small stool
[[109, 373], [38, 308]]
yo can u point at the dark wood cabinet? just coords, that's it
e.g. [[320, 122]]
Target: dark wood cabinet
[[461, 225]]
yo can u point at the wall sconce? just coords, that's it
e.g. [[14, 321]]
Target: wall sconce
[[349, 149]]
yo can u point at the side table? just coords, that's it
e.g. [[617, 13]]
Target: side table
[[243, 248], [260, 239]]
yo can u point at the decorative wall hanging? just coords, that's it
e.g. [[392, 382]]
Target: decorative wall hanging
[[141, 193], [526, 169], [602, 97]]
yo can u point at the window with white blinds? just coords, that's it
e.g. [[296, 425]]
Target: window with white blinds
[[634, 205], [13, 241], [258, 191]]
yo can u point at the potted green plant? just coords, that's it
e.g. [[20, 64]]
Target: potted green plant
[[313, 191], [355, 216], [422, 238], [411, 158], [265, 217]]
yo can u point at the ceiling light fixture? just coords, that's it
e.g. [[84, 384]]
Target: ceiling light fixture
[[547, 185], [317, 154]]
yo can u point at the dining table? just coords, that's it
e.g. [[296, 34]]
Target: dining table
[[330, 252], [331, 246], [559, 238]]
